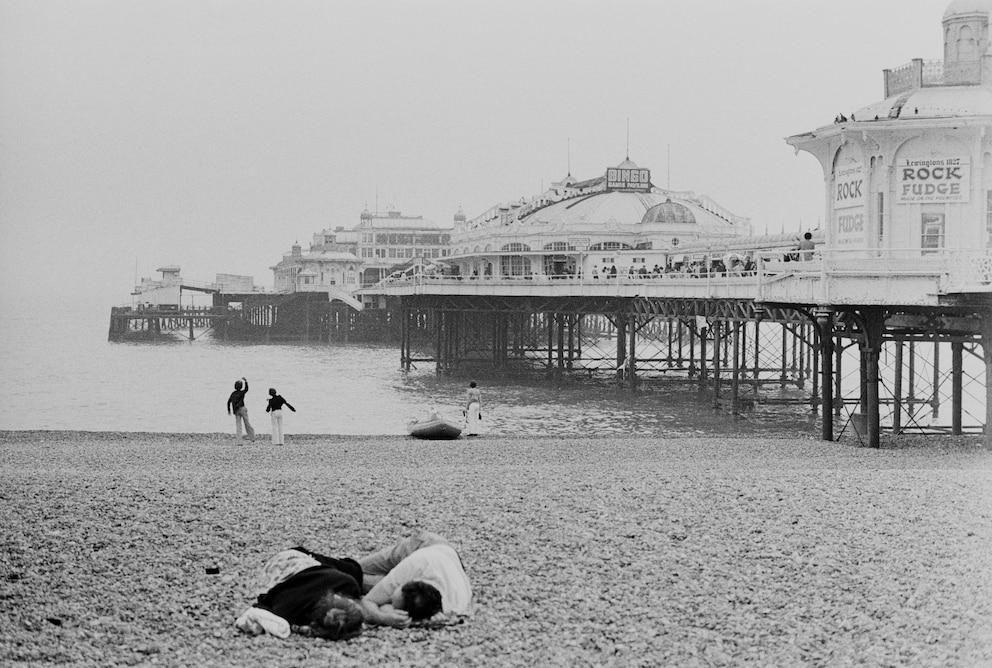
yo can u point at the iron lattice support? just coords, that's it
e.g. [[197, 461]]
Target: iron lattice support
[[756, 351]]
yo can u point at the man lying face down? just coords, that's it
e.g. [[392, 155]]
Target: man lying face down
[[413, 580]]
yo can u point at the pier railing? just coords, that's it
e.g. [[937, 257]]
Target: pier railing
[[862, 276]]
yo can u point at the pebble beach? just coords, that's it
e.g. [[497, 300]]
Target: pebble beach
[[125, 549]]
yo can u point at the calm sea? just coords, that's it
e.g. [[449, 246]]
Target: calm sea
[[63, 374]]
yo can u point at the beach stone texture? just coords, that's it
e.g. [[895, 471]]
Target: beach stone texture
[[142, 549]]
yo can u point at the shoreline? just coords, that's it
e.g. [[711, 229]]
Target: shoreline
[[591, 551], [889, 441]]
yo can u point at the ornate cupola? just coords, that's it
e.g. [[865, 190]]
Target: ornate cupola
[[966, 42]]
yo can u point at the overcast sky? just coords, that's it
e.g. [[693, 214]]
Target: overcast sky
[[213, 134]]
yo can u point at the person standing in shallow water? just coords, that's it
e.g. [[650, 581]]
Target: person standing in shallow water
[[473, 410], [274, 408], [236, 406]]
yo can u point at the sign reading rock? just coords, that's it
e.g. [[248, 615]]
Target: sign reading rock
[[933, 180]]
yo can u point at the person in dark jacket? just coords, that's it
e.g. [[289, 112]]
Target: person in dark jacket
[[309, 594], [236, 406]]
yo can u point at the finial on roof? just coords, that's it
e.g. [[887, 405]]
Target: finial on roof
[[628, 139]]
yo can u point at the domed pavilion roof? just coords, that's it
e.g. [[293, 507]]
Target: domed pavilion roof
[[963, 7], [669, 212], [933, 102]]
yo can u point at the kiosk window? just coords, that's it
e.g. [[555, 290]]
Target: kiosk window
[[932, 232]]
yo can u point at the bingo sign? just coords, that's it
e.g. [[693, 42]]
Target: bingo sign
[[625, 178], [849, 205], [933, 180]]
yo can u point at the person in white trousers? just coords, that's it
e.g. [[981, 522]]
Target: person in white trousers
[[274, 408], [473, 410]]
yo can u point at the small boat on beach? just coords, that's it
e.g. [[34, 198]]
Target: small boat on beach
[[436, 427]]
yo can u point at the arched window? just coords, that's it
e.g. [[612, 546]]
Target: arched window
[[558, 246], [515, 248], [610, 246], [966, 43]]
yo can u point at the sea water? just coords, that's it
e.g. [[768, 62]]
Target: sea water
[[63, 374]]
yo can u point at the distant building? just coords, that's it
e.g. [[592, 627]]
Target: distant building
[[912, 174], [317, 271], [340, 260], [381, 242], [235, 283], [619, 219], [163, 292]]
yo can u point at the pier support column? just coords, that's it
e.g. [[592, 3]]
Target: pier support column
[[551, 319], [874, 320], [825, 321], [935, 383], [717, 337], [757, 353], [897, 391], [438, 340], [735, 378], [692, 349], [838, 376], [702, 354], [957, 371], [621, 346], [632, 352], [405, 340], [987, 354], [571, 341], [814, 367]]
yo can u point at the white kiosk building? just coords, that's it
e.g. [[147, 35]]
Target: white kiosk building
[[911, 175]]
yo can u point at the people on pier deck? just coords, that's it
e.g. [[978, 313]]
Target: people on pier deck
[[806, 245], [236, 406], [274, 408]]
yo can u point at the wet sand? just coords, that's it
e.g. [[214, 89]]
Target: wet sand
[[626, 552]]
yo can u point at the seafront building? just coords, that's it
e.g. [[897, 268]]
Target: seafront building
[[381, 241], [340, 261]]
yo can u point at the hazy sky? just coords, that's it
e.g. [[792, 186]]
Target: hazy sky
[[213, 134]]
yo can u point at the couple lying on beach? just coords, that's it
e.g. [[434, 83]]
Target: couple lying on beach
[[420, 578]]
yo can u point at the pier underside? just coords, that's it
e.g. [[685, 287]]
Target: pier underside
[[864, 369]]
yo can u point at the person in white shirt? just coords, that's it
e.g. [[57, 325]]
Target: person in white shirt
[[415, 579]]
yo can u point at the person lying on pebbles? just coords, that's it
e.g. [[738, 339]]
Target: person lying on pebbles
[[420, 578], [309, 594]]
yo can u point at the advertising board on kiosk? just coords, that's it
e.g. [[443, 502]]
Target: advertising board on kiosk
[[924, 180], [849, 205]]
